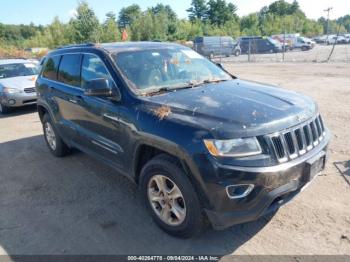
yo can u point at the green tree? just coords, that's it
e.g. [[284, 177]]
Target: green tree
[[86, 26], [250, 24], [59, 33], [166, 9], [198, 10], [167, 16], [311, 28], [110, 31], [345, 21], [128, 15], [280, 8], [219, 12]]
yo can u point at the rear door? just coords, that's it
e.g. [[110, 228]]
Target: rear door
[[67, 95], [59, 92]]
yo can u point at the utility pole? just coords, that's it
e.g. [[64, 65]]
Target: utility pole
[[284, 36], [328, 10]]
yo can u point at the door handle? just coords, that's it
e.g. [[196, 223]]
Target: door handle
[[72, 101], [76, 99]]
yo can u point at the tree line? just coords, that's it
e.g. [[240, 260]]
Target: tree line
[[160, 22]]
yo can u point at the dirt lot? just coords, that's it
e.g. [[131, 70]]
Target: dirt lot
[[341, 54], [76, 205]]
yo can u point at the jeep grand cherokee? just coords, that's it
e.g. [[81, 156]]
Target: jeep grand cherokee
[[201, 144]]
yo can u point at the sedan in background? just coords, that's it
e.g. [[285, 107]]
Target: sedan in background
[[17, 83]]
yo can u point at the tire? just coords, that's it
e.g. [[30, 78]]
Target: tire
[[164, 168], [54, 142], [4, 109], [237, 53], [211, 55]]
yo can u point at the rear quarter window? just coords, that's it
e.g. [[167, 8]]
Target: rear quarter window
[[51, 67]]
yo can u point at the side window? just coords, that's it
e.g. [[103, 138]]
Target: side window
[[69, 70], [51, 66], [93, 68]]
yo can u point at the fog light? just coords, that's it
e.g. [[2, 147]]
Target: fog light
[[11, 102], [239, 191]]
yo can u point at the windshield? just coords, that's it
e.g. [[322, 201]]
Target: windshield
[[14, 70], [273, 41], [152, 70]]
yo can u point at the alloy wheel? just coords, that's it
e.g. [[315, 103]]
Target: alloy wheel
[[166, 200], [50, 136]]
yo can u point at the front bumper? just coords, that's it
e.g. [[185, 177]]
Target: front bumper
[[273, 187], [18, 99]]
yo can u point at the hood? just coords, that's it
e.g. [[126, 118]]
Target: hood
[[19, 82], [236, 108]]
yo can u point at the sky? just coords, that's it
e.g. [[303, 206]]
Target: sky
[[43, 11]]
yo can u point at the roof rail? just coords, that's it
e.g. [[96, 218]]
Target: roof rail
[[77, 45]]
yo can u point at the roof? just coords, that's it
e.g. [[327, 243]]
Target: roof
[[13, 61], [134, 46], [125, 46]]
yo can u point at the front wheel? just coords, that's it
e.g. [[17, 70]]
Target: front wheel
[[4, 109], [171, 198]]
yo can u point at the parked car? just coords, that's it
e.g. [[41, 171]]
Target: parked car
[[200, 143], [322, 39], [332, 40], [347, 37], [17, 83], [340, 39], [258, 44], [211, 46], [295, 41], [303, 44]]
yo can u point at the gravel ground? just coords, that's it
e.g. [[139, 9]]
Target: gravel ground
[[320, 53], [77, 205]]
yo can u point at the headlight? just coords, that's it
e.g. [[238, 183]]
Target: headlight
[[9, 90], [234, 147]]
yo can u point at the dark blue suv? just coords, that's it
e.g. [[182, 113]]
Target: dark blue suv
[[202, 145]]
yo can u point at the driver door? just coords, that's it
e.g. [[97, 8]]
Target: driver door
[[99, 135]]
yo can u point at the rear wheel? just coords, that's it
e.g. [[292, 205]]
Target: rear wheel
[[171, 198], [4, 109], [237, 53], [54, 142]]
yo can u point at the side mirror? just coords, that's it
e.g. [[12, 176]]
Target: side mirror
[[101, 87]]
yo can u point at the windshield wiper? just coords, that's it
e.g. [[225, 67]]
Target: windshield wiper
[[167, 89], [157, 91], [208, 81], [189, 84]]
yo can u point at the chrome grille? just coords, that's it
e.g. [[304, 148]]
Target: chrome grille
[[29, 90], [290, 144]]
